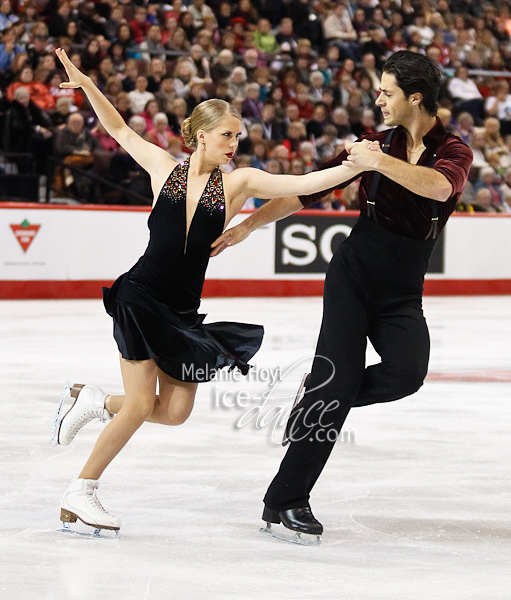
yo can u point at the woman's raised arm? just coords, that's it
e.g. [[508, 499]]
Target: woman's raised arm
[[150, 157]]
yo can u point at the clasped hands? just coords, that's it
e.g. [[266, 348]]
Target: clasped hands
[[363, 155]]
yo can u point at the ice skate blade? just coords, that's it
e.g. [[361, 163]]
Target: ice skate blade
[[293, 537], [54, 439], [90, 532]]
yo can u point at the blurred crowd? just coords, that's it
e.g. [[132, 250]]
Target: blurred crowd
[[303, 73]]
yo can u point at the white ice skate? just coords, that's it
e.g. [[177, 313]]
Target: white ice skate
[[88, 404], [80, 503]]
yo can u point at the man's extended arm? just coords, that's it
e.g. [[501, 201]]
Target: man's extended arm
[[274, 210], [424, 181]]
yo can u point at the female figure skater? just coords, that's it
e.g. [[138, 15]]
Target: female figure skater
[[160, 335]]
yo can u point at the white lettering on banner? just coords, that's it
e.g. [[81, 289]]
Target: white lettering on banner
[[325, 244], [299, 244]]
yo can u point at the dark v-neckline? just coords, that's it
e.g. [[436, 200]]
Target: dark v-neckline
[[188, 229]]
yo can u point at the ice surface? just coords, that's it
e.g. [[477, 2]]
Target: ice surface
[[417, 507]]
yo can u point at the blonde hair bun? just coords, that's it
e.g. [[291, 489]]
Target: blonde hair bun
[[186, 130]]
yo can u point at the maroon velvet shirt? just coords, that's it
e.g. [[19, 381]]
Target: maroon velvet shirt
[[398, 209]]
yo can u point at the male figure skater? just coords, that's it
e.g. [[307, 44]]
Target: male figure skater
[[374, 283]]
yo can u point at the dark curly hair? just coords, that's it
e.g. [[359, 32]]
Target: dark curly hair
[[416, 73]]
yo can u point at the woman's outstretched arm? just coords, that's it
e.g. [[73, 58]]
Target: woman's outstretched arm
[[150, 157], [259, 184]]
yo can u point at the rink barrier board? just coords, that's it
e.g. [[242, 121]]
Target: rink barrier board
[[67, 290], [75, 250]]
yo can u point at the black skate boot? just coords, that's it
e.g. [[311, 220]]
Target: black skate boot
[[295, 410], [299, 520]]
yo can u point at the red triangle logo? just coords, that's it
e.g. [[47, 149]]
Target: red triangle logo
[[25, 233]]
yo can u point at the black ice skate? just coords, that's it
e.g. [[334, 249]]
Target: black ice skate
[[295, 410], [307, 529]]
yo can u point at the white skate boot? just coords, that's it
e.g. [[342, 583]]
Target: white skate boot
[[81, 503], [88, 405]]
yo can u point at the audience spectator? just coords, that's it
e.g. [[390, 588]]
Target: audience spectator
[[27, 129], [338, 29], [483, 201], [64, 108], [124, 37], [251, 105], [273, 129], [166, 93], [76, 147], [465, 127], [160, 133], [478, 147], [130, 75], [317, 122], [183, 74], [199, 10], [308, 154], [139, 25], [152, 46], [487, 180], [150, 110], [7, 19], [177, 114], [264, 40], [255, 135], [91, 55], [286, 33], [465, 93], [505, 189], [238, 84], [296, 133], [340, 120], [9, 48], [140, 96], [223, 65], [186, 24], [325, 145], [298, 70], [196, 95], [58, 21], [113, 87], [122, 104], [39, 93], [499, 105], [200, 62]]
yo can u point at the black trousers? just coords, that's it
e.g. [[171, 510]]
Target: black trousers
[[373, 289]]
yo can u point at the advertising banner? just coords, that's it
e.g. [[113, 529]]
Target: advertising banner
[[70, 252]]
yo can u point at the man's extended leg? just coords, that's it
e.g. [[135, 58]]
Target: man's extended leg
[[340, 360], [401, 338]]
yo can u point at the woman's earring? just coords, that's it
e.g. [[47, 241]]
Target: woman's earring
[[203, 145]]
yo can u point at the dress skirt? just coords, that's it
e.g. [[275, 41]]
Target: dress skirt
[[181, 344]]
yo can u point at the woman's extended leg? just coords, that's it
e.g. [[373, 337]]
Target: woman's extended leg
[[172, 406]]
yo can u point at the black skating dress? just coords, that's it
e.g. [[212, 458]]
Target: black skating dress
[[154, 305]]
